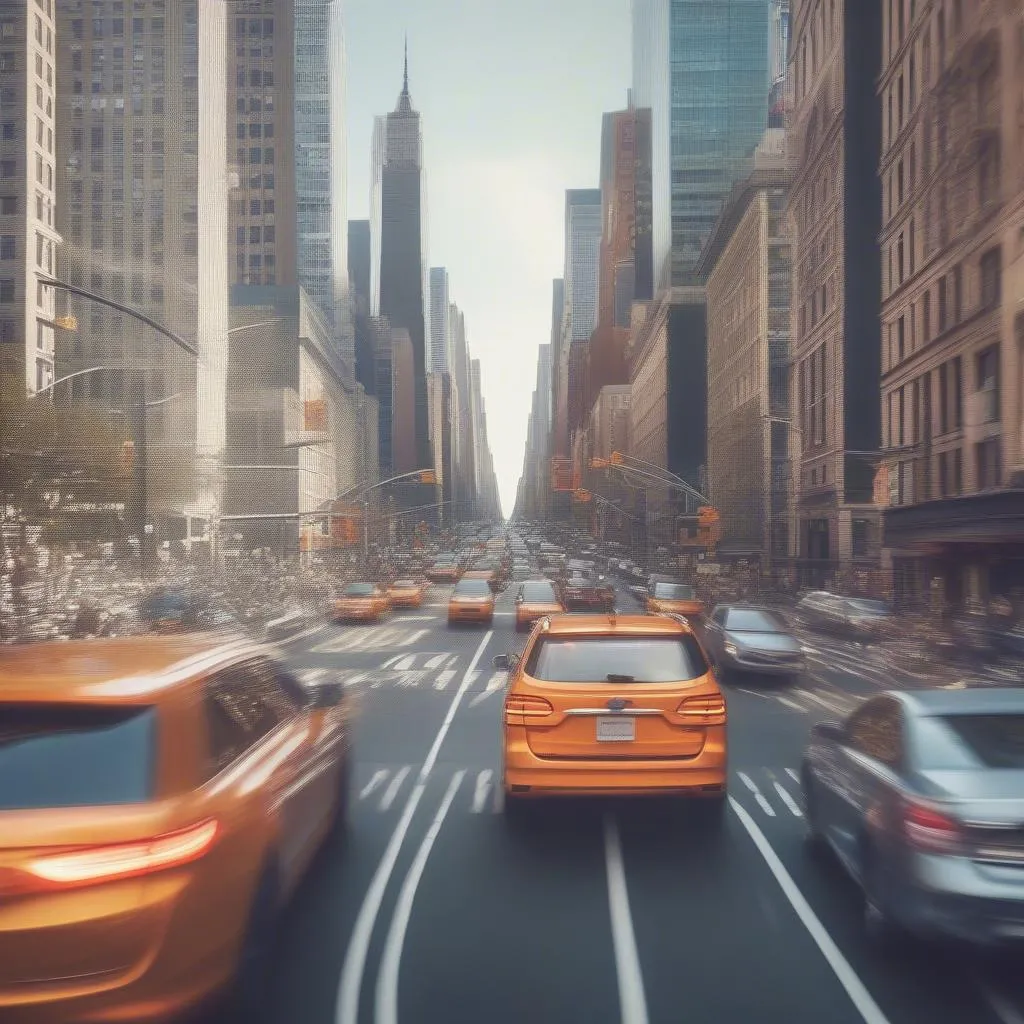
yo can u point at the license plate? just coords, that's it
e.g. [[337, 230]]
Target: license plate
[[616, 730]]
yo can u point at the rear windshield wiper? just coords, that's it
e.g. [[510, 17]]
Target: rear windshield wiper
[[616, 677]]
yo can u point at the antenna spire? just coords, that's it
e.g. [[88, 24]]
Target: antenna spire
[[405, 74]]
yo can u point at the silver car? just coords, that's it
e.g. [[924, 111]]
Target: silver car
[[921, 796], [749, 639]]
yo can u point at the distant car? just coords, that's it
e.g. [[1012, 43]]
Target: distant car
[[471, 601], [599, 706], [856, 618], [920, 793], [534, 600], [361, 602], [406, 593], [748, 639], [443, 571], [589, 591], [161, 799], [673, 598]]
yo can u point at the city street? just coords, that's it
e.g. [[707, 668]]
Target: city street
[[437, 910]]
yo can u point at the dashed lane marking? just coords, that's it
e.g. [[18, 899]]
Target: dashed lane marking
[[375, 783], [758, 795], [394, 786], [483, 786]]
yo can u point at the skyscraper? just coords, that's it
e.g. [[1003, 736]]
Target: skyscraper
[[261, 171], [321, 166], [28, 235], [141, 124], [701, 66], [359, 292], [440, 322], [398, 152]]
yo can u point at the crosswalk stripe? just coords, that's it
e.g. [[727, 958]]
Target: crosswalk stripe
[[444, 678], [376, 781], [396, 784], [758, 795], [414, 638], [496, 682], [405, 664], [392, 660], [437, 661], [792, 774], [790, 803], [483, 785]]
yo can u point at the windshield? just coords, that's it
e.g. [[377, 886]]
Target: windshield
[[865, 607], [404, 584], [75, 756], [674, 592], [472, 588], [752, 620], [627, 659], [540, 592], [359, 590]]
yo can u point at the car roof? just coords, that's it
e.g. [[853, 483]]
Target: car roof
[[615, 625], [995, 700], [131, 669]]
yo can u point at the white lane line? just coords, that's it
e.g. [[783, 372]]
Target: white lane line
[[754, 693], [1000, 1005], [444, 678], [437, 661], [483, 786], [791, 804], [393, 787], [791, 704], [414, 638], [758, 795], [827, 704], [405, 664], [419, 618], [386, 1009], [377, 780], [495, 683], [347, 1004], [792, 774], [866, 1006], [632, 1001]]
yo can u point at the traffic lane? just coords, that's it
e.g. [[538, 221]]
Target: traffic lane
[[512, 925], [914, 982]]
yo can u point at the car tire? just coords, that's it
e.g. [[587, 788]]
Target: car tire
[[814, 836], [247, 1002], [339, 814]]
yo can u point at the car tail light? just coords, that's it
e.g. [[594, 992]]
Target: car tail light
[[89, 865], [708, 710], [522, 706], [930, 830]]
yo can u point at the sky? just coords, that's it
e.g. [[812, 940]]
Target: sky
[[511, 93]]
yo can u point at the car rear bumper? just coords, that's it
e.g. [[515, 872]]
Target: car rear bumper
[[530, 776], [740, 664]]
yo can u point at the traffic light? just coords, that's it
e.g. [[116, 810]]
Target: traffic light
[[428, 476], [598, 463], [581, 494], [616, 459]]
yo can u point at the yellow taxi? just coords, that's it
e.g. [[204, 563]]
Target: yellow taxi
[[362, 602], [605, 705], [471, 601], [160, 801], [674, 599], [534, 600], [406, 593]]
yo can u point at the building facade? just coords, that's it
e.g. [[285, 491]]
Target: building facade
[[748, 267], [835, 218], [28, 192], [701, 67], [440, 354], [952, 171]]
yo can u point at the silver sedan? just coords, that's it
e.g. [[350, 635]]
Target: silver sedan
[[749, 639]]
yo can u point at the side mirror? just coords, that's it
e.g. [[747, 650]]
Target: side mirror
[[326, 695], [834, 732], [505, 662], [519, 598]]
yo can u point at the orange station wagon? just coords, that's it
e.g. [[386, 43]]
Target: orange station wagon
[[362, 602], [160, 800], [674, 599], [605, 705], [471, 601], [406, 593]]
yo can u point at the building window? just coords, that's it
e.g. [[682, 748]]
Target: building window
[[958, 393], [988, 461], [7, 289], [988, 384], [7, 247], [901, 339], [942, 304], [991, 278], [860, 538]]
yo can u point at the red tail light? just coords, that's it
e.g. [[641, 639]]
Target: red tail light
[[707, 710], [519, 707], [930, 830], [90, 865]]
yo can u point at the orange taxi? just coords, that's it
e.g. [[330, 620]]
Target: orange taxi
[[406, 593], [674, 599], [471, 601], [603, 705], [362, 602], [160, 801], [535, 599]]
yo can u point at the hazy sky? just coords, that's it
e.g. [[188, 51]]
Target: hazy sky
[[511, 93]]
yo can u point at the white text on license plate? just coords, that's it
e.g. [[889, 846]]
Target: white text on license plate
[[616, 730]]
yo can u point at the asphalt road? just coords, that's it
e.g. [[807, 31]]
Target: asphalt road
[[436, 911]]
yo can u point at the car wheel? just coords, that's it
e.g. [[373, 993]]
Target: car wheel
[[248, 1000], [815, 836], [339, 815]]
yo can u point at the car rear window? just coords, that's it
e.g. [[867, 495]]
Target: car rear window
[[75, 756], [359, 590], [970, 741], [674, 592], [472, 588], [539, 592], [616, 659]]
